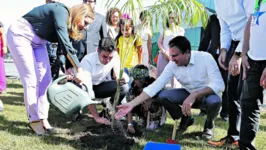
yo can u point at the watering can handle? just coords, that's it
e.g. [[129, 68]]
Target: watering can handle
[[59, 79]]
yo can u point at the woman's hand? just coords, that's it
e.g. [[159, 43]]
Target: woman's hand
[[80, 76]]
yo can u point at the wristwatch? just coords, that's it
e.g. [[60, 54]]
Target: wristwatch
[[238, 54]]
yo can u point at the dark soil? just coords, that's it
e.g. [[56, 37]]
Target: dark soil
[[104, 137]]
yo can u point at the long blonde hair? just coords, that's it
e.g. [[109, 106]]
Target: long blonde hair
[[77, 13]]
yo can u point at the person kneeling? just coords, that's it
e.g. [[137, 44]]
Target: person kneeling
[[202, 85], [149, 111], [103, 66]]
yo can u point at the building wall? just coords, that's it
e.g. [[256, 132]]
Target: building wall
[[194, 34]]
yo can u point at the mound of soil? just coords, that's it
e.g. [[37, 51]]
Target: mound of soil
[[103, 137]]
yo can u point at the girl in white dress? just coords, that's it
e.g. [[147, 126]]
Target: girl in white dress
[[146, 36], [172, 30]]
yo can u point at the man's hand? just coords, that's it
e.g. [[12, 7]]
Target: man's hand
[[263, 79], [234, 65], [123, 110], [245, 65], [122, 81], [222, 58], [187, 104], [101, 120]]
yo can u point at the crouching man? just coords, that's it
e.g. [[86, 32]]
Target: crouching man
[[202, 85], [104, 66]]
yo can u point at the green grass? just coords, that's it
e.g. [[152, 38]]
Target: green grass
[[16, 135]]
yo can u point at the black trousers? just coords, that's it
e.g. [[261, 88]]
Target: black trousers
[[251, 99], [234, 88], [173, 99], [225, 108], [108, 89]]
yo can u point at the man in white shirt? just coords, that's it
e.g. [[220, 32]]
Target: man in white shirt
[[104, 67], [202, 85], [233, 16], [254, 75]]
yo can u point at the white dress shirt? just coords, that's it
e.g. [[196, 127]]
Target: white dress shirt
[[202, 71], [100, 72], [233, 16], [257, 41]]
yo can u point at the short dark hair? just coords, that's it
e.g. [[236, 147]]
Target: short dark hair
[[107, 44], [144, 14], [181, 42]]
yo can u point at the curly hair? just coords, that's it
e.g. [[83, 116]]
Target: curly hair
[[77, 13], [109, 14]]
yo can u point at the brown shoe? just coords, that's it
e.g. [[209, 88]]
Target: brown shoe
[[224, 141], [37, 127]]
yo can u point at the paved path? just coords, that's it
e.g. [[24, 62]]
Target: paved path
[[11, 70]]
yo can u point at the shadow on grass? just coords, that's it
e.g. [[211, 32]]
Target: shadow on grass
[[14, 84], [12, 100], [14, 127]]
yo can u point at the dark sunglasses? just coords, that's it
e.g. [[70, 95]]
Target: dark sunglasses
[[89, 1]]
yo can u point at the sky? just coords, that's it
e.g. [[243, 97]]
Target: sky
[[10, 10]]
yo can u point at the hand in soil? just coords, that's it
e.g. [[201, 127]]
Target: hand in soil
[[103, 121], [130, 129], [123, 110]]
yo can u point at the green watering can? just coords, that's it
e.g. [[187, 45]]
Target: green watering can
[[68, 98]]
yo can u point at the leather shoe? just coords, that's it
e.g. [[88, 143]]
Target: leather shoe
[[228, 140], [184, 124]]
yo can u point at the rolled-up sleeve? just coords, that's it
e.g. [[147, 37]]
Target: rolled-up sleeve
[[214, 75], [225, 34], [160, 82], [86, 64]]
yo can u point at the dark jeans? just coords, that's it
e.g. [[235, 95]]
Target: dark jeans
[[251, 99], [234, 87], [108, 89], [173, 99]]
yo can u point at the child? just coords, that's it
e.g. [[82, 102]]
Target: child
[[129, 46], [140, 74]]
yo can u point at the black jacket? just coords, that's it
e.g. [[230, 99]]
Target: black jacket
[[210, 41], [49, 21]]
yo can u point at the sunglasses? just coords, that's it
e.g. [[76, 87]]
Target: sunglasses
[[88, 1]]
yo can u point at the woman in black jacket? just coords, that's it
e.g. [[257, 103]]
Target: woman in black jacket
[[27, 39]]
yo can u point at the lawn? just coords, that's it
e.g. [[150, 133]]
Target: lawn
[[15, 133]]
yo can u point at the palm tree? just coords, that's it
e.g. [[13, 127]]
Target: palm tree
[[191, 12]]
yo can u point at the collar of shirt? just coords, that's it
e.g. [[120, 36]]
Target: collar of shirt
[[98, 62], [192, 59]]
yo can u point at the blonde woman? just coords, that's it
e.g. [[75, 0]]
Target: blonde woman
[[113, 16], [27, 39]]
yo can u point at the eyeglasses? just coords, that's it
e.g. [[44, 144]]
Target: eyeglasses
[[88, 1]]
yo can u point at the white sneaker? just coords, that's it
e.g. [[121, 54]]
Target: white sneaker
[[163, 118], [153, 125], [1, 106]]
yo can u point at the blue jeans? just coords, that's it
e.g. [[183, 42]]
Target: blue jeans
[[173, 99]]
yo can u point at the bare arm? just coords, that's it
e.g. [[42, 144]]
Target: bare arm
[[160, 43], [149, 45], [140, 54]]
